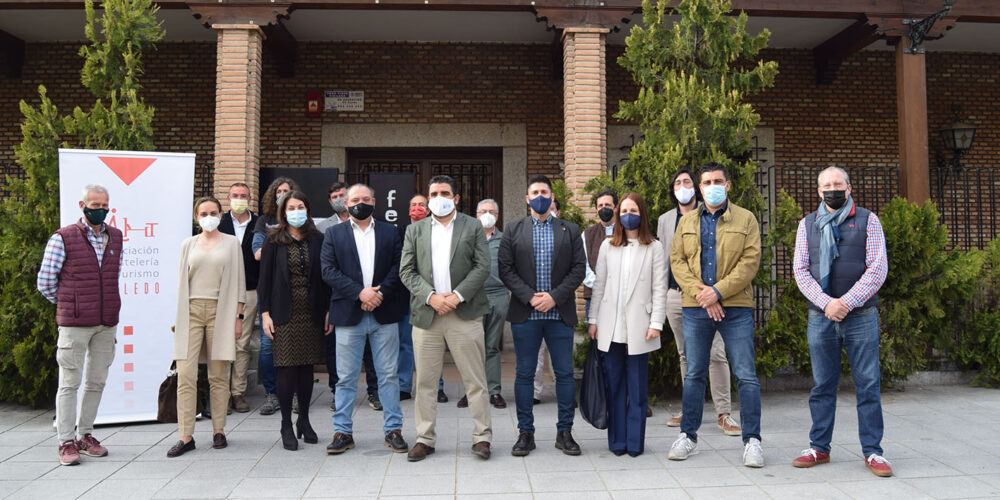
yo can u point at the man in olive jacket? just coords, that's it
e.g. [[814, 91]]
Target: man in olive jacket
[[714, 257], [444, 264]]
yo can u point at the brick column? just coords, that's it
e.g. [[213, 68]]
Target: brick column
[[584, 108], [237, 107]]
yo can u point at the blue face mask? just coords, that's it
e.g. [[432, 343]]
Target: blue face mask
[[540, 204], [630, 221], [714, 195], [296, 218]]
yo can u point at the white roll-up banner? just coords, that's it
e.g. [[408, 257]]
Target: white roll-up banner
[[150, 200]]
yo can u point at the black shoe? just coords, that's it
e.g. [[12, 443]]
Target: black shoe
[[565, 442], [537, 401], [288, 437], [374, 402], [442, 397], [180, 448], [219, 441], [464, 402], [403, 396], [305, 431], [525, 443], [341, 443], [394, 440]]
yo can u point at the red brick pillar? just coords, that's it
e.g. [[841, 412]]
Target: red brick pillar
[[237, 107], [584, 108]]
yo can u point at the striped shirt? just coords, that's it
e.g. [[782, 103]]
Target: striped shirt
[[55, 256], [542, 238], [876, 268]]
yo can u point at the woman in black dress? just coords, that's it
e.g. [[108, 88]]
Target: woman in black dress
[[293, 302]]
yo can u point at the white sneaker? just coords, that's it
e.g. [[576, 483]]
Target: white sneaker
[[753, 454], [682, 448]]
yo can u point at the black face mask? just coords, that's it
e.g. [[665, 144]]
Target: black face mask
[[361, 211], [606, 214], [835, 199], [95, 216]]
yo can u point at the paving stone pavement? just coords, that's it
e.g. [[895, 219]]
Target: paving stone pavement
[[938, 439]]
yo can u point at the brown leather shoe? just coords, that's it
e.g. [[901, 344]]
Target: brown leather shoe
[[481, 450], [240, 404], [419, 452], [497, 401], [219, 441]]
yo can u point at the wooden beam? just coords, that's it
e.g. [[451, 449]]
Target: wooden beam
[[250, 12], [563, 17], [911, 107], [281, 44], [11, 55], [828, 55]]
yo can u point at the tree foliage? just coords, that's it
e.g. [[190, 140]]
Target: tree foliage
[[118, 120]]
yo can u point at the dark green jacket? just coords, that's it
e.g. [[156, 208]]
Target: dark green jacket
[[470, 266]]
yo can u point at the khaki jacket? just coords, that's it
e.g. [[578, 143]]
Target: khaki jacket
[[232, 291], [737, 256]]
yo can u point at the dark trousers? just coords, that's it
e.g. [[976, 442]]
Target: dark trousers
[[627, 399], [371, 379]]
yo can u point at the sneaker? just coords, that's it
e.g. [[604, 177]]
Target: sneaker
[[683, 448], [810, 457], [374, 403], [69, 454], [878, 465], [271, 405], [91, 447], [728, 425], [676, 421], [753, 454], [295, 404]]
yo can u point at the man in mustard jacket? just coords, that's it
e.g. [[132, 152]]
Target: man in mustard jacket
[[714, 257]]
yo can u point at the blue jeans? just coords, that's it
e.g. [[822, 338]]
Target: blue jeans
[[371, 380], [736, 329], [350, 351], [268, 376], [858, 335], [627, 377], [406, 354], [527, 340]]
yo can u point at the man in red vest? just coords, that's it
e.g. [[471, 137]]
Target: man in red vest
[[79, 274]]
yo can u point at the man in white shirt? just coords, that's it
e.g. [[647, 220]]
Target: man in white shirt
[[445, 262]]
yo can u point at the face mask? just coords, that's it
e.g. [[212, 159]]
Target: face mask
[[684, 195], [95, 216], [209, 223], [296, 218], [714, 195], [630, 221], [278, 199], [606, 214], [441, 206], [361, 211], [488, 220], [338, 206], [540, 204], [238, 206], [417, 212], [835, 199]]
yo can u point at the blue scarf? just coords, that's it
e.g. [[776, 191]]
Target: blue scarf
[[829, 224]]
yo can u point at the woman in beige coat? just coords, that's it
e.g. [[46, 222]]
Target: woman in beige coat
[[627, 310], [210, 297]]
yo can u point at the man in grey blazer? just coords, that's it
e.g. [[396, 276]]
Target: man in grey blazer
[[685, 198], [444, 264], [542, 263]]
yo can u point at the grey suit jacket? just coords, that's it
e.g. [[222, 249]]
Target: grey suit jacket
[[665, 228], [470, 266]]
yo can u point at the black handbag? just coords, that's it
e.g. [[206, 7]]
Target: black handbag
[[594, 389]]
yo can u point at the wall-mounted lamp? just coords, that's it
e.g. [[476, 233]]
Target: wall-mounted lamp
[[958, 138]]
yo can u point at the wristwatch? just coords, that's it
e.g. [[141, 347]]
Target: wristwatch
[[240, 316]]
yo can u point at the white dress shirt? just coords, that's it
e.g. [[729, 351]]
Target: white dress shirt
[[240, 228], [620, 335], [441, 256], [365, 241]]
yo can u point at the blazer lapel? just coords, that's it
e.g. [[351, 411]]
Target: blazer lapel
[[353, 249], [458, 224]]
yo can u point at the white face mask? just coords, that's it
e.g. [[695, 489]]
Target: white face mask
[[441, 206], [209, 223], [684, 195], [488, 220]]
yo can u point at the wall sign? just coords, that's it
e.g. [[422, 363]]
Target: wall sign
[[344, 100]]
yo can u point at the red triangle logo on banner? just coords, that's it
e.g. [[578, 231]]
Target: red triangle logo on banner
[[127, 169]]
